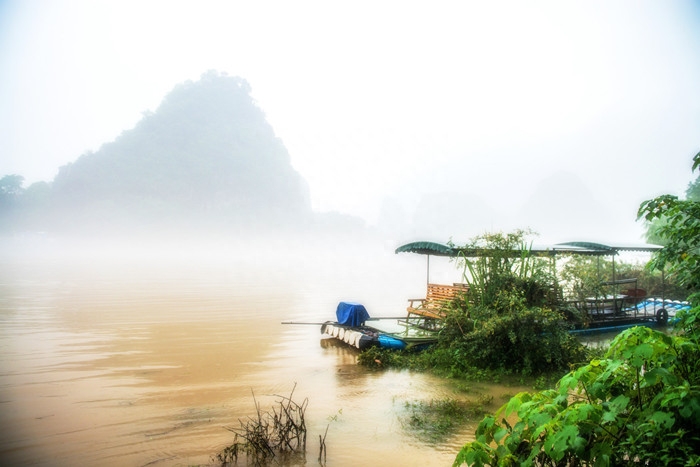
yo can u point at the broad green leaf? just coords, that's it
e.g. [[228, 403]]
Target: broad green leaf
[[558, 442], [663, 419], [513, 405], [500, 434]]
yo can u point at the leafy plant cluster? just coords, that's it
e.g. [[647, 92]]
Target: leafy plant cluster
[[581, 277], [639, 405], [511, 319], [526, 340], [500, 267], [680, 231]]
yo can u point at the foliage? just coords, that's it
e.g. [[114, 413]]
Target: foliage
[[503, 263], [525, 340], [655, 225], [582, 277], [509, 328], [681, 231], [509, 320], [640, 405], [637, 406], [378, 357]]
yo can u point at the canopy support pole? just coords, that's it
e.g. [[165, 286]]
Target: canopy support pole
[[427, 272]]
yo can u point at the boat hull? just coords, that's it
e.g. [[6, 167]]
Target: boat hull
[[362, 337], [652, 312]]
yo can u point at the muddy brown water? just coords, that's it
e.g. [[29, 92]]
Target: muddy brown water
[[142, 359]]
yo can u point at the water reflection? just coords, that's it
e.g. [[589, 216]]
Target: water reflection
[[598, 341]]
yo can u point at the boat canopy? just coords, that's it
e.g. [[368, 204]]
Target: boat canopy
[[427, 248], [570, 248], [647, 248]]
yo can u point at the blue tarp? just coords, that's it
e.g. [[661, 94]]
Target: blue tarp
[[351, 314]]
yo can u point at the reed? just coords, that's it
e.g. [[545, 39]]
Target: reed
[[280, 432]]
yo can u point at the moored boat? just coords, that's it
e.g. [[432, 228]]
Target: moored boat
[[351, 329], [623, 304]]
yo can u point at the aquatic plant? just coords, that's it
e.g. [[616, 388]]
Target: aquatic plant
[[279, 432], [437, 419]]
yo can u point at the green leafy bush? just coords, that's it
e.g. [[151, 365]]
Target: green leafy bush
[[510, 320], [525, 340], [637, 406], [498, 263], [680, 234], [640, 405]]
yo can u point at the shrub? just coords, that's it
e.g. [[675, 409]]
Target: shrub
[[525, 340], [638, 406]]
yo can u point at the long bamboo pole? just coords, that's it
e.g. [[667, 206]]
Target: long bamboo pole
[[331, 322]]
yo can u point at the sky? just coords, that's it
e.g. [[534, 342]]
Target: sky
[[559, 116]]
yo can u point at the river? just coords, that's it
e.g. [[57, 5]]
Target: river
[[114, 356]]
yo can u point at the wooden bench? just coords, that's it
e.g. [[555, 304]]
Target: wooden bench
[[436, 298]]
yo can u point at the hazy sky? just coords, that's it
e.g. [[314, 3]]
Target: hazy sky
[[385, 103]]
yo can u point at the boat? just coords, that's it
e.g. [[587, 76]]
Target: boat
[[611, 316], [624, 305], [388, 333]]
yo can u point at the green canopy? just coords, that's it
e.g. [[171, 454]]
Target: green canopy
[[427, 248], [576, 248], [613, 249]]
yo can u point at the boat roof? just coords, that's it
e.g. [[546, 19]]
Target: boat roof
[[571, 248], [427, 248], [646, 247]]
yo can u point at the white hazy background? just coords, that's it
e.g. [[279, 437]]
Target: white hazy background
[[439, 119]]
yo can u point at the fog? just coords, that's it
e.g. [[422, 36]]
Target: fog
[[425, 121], [196, 173]]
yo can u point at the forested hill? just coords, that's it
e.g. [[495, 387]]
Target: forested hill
[[205, 159]]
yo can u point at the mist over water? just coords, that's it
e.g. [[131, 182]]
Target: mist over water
[[137, 353], [166, 230]]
